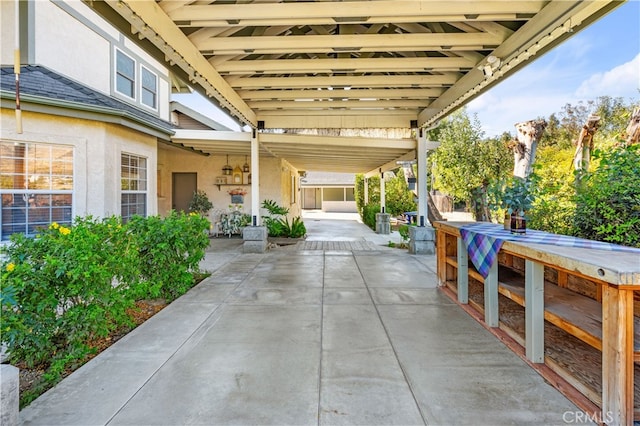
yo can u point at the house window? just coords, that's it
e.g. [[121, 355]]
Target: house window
[[133, 178], [333, 194], [125, 75], [36, 186], [149, 88]]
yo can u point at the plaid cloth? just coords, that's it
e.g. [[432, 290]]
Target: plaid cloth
[[483, 240]]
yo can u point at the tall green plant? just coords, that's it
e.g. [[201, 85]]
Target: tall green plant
[[68, 286], [170, 250], [465, 163], [278, 225], [65, 287], [608, 204]]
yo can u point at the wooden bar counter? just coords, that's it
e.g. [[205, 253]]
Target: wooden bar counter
[[586, 292]]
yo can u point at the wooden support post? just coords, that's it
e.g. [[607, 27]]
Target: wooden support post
[[617, 356], [441, 256], [534, 311], [463, 272], [563, 279], [491, 297]]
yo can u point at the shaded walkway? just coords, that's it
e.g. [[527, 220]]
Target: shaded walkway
[[307, 337]]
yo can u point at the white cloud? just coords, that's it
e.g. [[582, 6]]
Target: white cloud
[[623, 80]]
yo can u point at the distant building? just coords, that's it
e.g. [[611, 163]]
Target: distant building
[[331, 192]]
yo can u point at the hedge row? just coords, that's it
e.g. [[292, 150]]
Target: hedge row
[[71, 285]]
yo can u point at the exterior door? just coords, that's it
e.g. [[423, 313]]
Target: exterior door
[[182, 189]]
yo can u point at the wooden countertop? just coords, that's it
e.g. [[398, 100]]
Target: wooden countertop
[[614, 267]]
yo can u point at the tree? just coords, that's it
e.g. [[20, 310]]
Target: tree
[[525, 145], [398, 198], [465, 163]]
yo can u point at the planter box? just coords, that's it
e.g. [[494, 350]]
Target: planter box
[[237, 199], [282, 241]]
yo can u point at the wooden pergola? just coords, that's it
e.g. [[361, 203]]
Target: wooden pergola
[[275, 64]]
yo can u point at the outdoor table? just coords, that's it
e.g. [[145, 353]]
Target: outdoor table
[[615, 268]]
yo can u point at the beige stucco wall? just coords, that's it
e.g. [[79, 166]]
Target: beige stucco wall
[[97, 149], [274, 175], [70, 48], [71, 39]]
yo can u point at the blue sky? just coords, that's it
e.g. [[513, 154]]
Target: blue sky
[[603, 59]]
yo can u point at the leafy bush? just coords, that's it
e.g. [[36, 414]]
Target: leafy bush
[[553, 181], [278, 226], [71, 285], [170, 250], [398, 198], [403, 230], [373, 192], [369, 215], [200, 203], [608, 201], [65, 287]]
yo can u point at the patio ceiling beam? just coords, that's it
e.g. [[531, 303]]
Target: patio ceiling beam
[[338, 103], [252, 95], [274, 139], [350, 42], [365, 81], [391, 165], [330, 65], [355, 11]]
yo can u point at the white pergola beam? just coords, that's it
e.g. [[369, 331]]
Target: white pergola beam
[[328, 65], [351, 104], [344, 81], [354, 42], [362, 10], [252, 95]]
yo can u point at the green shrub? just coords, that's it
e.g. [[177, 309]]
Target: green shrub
[[64, 288], [71, 285], [403, 230], [369, 215], [608, 200], [278, 225], [170, 250]]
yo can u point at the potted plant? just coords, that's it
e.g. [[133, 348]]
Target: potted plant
[[200, 203], [517, 199], [510, 199]]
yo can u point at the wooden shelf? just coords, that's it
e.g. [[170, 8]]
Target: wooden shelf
[[578, 309], [219, 185]]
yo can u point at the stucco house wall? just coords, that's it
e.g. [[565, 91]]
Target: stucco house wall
[[97, 149], [275, 179], [71, 39]]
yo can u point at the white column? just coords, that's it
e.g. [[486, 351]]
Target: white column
[[255, 179], [422, 179], [383, 200]]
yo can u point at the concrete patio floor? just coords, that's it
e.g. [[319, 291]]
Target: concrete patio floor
[[307, 337]]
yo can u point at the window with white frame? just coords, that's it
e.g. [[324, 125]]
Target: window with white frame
[[125, 75], [149, 91], [133, 178], [36, 186]]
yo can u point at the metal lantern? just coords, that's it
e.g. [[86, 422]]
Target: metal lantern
[[226, 170]]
